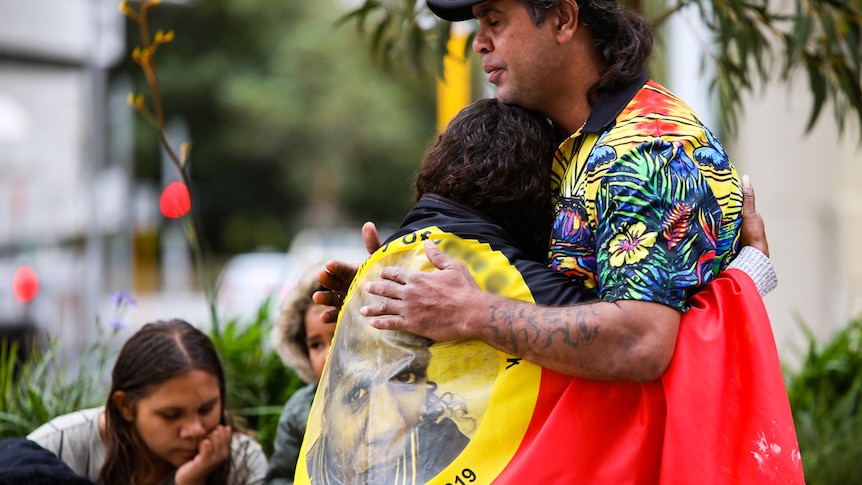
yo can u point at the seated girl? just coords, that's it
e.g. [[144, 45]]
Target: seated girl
[[164, 421]]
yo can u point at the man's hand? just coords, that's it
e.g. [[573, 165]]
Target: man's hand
[[337, 276], [212, 452], [753, 230], [430, 304]]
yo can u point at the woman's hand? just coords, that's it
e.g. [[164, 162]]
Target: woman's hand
[[753, 229], [337, 276]]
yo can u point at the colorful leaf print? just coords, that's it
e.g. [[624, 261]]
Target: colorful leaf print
[[675, 223]]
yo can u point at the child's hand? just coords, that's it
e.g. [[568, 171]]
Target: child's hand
[[212, 451]]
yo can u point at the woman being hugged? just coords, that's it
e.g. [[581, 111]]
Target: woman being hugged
[[164, 420]]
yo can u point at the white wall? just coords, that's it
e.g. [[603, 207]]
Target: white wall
[[809, 190]]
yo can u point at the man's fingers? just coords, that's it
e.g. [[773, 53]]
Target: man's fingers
[[437, 257], [388, 287], [370, 237], [391, 322], [394, 273], [383, 307]]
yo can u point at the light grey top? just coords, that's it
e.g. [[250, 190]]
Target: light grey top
[[75, 439]]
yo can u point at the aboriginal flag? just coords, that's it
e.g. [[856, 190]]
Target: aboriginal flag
[[719, 415], [394, 408]]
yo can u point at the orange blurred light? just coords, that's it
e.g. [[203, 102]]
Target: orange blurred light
[[175, 201], [25, 284]]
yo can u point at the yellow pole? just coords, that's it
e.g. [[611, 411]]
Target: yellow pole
[[453, 91]]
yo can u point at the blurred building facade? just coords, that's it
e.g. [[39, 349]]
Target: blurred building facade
[[64, 184]]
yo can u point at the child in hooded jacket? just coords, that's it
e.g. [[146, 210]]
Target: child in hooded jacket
[[302, 341]]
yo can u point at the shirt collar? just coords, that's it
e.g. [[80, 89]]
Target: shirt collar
[[611, 104]]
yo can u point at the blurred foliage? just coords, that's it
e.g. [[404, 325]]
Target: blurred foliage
[[290, 124], [258, 383], [753, 42], [826, 400], [37, 385]]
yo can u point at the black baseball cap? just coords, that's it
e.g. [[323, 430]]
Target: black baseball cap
[[453, 10]]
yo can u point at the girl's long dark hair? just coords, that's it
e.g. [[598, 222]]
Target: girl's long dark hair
[[156, 353]]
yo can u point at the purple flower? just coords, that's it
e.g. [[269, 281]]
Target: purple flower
[[120, 299], [117, 324]]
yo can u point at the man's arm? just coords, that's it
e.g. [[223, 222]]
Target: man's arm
[[623, 340], [628, 340]]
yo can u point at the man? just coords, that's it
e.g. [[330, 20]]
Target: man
[[538, 54]]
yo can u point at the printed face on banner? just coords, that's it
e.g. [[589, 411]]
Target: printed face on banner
[[394, 407], [377, 400]]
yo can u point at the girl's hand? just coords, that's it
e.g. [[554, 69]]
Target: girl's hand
[[212, 451]]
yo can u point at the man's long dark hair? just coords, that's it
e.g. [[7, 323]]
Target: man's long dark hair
[[623, 38], [156, 353], [497, 159]]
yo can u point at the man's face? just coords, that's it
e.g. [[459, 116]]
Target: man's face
[[519, 57], [376, 404]]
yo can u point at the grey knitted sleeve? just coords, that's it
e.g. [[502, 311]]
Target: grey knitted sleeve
[[758, 266]]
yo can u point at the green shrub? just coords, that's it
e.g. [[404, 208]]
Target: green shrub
[[825, 396], [258, 383], [36, 387]]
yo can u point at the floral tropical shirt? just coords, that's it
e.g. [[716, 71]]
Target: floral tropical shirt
[[647, 205]]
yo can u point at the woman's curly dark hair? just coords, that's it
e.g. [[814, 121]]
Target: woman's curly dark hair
[[623, 38], [497, 159]]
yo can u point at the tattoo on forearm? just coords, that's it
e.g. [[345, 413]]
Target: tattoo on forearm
[[513, 326]]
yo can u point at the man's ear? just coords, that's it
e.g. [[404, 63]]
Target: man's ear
[[124, 404], [567, 17]]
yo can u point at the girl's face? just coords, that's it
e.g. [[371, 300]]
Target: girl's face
[[318, 337], [178, 413]]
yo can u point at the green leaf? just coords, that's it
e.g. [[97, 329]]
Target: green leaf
[[817, 85]]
